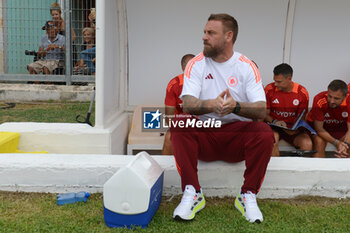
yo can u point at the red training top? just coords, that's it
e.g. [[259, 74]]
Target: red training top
[[286, 106], [173, 91], [334, 119]]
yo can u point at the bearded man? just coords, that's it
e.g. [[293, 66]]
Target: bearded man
[[223, 85]]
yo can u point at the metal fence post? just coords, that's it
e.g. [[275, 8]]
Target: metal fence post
[[68, 35]]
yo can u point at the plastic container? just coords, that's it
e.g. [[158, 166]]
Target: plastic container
[[69, 198], [132, 195]]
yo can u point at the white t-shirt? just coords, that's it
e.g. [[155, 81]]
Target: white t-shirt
[[206, 79]]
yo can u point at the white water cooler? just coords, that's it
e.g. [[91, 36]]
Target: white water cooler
[[132, 195]]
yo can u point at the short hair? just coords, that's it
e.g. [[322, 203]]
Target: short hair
[[230, 23], [91, 30], [338, 84], [284, 69], [185, 58]]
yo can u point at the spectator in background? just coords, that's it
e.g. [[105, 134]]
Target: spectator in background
[[86, 64], [330, 116], [92, 18], [285, 100], [349, 87], [56, 14], [173, 103], [51, 51]]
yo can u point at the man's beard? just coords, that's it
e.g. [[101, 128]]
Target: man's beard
[[212, 52], [333, 106]]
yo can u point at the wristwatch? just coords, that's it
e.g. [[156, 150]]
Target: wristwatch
[[237, 109]]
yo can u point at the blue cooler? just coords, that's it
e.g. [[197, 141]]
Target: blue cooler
[[132, 195]]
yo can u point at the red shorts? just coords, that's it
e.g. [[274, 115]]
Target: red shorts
[[290, 138]]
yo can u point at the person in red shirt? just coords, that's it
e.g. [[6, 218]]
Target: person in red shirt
[[285, 100], [330, 116], [173, 104]]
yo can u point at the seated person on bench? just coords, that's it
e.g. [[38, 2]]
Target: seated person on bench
[[330, 116], [51, 51], [173, 103], [285, 100]]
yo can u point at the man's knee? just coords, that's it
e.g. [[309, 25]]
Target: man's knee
[[30, 68], [264, 131], [303, 141], [46, 70], [318, 141], [276, 135]]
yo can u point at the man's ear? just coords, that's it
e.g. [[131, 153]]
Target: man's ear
[[229, 35]]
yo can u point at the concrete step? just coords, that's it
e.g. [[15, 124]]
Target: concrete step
[[44, 92], [286, 177]]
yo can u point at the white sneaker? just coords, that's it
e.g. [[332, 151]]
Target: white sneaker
[[190, 204], [246, 204]]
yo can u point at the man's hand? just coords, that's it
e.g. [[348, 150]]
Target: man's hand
[[52, 46], [342, 150], [223, 105], [217, 104], [281, 123], [228, 105]]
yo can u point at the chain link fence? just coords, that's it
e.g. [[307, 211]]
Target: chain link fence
[[30, 45]]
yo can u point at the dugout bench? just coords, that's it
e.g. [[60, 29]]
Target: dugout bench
[[152, 142]]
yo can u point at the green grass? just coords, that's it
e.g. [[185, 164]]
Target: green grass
[[33, 212], [65, 112]]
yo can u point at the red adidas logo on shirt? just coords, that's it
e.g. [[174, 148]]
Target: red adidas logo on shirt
[[209, 77]]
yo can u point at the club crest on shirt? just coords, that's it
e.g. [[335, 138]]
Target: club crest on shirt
[[345, 114], [232, 81], [296, 102]]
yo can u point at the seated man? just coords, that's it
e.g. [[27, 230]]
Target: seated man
[[330, 116], [173, 103], [224, 89], [51, 51], [285, 100]]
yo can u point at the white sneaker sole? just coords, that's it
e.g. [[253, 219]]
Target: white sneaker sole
[[240, 208], [188, 218]]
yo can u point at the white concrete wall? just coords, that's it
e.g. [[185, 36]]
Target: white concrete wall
[[108, 63], [60, 138], [285, 177], [315, 40], [320, 43], [161, 32], [76, 138]]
